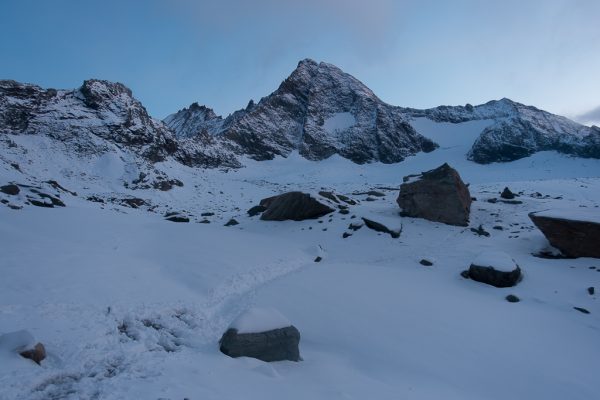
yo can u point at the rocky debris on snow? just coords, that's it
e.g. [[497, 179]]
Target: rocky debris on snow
[[425, 262], [346, 235], [495, 268], [437, 195], [11, 189], [318, 259], [379, 227], [581, 310], [575, 233], [591, 290], [133, 202], [498, 228], [511, 298], [23, 343], [176, 217], [329, 195], [295, 206], [480, 231], [232, 222], [207, 214], [507, 194], [256, 210], [355, 226], [58, 186], [264, 334], [347, 199], [370, 193], [159, 180], [344, 211]]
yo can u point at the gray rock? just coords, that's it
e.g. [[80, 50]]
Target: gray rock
[[438, 195], [295, 206], [274, 345], [36, 354], [11, 189], [379, 227], [493, 276]]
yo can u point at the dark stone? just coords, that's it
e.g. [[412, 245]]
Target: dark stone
[[232, 222], [581, 310], [344, 211], [498, 228], [204, 221], [329, 195], [426, 263], [370, 199], [379, 227], [37, 354], [438, 195], [58, 186], [465, 274], [11, 190], [346, 234], [274, 345], [256, 210], [295, 206], [493, 200], [38, 203], [207, 214], [354, 226], [511, 298], [572, 237], [591, 290], [346, 199], [318, 259], [177, 218], [507, 194], [133, 202], [494, 277], [512, 201], [480, 231]]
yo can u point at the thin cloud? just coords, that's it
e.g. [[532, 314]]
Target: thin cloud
[[590, 117]]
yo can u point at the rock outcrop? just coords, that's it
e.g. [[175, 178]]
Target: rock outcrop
[[438, 195], [573, 233], [295, 206]]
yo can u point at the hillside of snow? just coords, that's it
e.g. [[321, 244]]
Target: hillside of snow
[[130, 305]]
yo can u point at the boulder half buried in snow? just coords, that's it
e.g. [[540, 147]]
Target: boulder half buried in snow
[[296, 206], [262, 333], [576, 233], [23, 343], [438, 195], [495, 268]]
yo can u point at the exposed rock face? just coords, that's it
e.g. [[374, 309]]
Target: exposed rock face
[[98, 118], [498, 270], [318, 110], [517, 131], [295, 206], [274, 345], [574, 238], [438, 195], [10, 189]]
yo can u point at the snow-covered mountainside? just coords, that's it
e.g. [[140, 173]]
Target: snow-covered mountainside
[[96, 119], [319, 111], [518, 131]]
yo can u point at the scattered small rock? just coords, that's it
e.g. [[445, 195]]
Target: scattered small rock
[[591, 290], [426, 262], [207, 214], [581, 310], [379, 227], [511, 298], [232, 222], [177, 218], [480, 231], [256, 210], [346, 234], [318, 259], [507, 194]]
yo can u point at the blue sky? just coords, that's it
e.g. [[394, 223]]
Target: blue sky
[[411, 53]]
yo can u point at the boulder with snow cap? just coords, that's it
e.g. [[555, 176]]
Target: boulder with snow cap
[[495, 268], [23, 343], [262, 333]]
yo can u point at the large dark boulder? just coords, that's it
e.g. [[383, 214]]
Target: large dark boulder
[[438, 195], [273, 345], [11, 189], [495, 268], [575, 235], [295, 206]]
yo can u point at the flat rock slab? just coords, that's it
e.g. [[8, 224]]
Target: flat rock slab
[[575, 234], [295, 206], [438, 195]]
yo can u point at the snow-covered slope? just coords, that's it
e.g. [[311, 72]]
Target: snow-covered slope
[[518, 131]]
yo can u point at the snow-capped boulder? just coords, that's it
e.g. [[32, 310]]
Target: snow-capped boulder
[[438, 195], [22, 343], [495, 268], [262, 333], [295, 206], [576, 233]]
